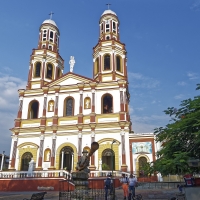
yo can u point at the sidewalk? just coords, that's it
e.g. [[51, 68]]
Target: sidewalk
[[147, 194]]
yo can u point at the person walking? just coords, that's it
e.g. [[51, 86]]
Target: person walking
[[124, 181], [108, 185], [132, 181]]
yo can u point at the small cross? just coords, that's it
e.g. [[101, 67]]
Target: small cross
[[51, 14], [108, 4]]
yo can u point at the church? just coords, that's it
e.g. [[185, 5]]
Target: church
[[61, 114]]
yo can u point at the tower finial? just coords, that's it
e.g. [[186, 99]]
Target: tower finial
[[108, 4], [51, 14]]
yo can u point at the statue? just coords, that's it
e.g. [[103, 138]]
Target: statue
[[48, 156], [31, 165], [71, 63], [51, 106], [83, 163], [87, 103]]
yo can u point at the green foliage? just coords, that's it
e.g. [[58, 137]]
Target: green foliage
[[105, 166], [180, 138], [148, 169]]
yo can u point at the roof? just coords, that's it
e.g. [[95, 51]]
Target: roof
[[50, 21], [108, 12]]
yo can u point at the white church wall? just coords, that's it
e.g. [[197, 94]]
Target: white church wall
[[26, 102]]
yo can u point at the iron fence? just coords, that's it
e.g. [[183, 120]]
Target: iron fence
[[96, 191]]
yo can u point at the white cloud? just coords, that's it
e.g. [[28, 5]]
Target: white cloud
[[137, 80], [9, 102], [192, 76], [147, 124], [179, 96], [182, 83]]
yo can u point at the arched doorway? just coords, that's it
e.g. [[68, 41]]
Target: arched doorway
[[26, 158], [142, 163], [108, 159], [66, 158]]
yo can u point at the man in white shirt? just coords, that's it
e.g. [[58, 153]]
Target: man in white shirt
[[132, 183]]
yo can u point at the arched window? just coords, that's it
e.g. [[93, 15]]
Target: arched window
[[51, 36], [114, 27], [96, 70], [118, 63], [66, 156], [142, 163], [107, 38], [107, 102], [69, 107], [107, 62], [44, 37], [26, 158], [37, 69], [108, 159], [107, 26], [33, 110], [49, 72], [102, 28]]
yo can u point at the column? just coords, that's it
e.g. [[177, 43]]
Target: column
[[114, 66], [62, 159], [79, 144], [124, 166], [92, 115], [41, 151], [92, 166], [53, 150], [80, 115], [43, 71], [55, 117], [14, 151], [72, 167]]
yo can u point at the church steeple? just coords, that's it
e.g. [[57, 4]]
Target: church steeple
[[45, 63], [109, 55]]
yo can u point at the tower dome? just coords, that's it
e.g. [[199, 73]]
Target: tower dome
[[50, 21], [109, 12]]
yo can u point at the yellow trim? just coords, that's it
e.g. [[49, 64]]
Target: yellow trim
[[59, 150], [137, 162], [22, 150], [115, 148]]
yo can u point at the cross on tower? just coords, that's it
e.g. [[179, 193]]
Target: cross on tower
[[51, 14], [108, 4]]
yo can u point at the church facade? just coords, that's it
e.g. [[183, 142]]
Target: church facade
[[60, 115]]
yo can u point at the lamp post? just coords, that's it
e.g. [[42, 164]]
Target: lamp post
[[112, 154], [2, 160]]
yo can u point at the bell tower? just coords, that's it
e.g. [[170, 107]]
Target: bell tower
[[109, 55], [46, 64]]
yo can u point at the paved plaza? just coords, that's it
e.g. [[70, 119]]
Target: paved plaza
[[147, 194]]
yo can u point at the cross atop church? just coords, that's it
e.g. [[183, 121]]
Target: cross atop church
[[51, 14], [108, 4]]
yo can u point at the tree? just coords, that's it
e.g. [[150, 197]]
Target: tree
[[180, 138]]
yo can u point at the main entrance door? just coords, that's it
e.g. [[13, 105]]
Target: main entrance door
[[67, 153], [108, 159], [26, 158]]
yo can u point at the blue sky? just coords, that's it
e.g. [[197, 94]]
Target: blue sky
[[162, 39]]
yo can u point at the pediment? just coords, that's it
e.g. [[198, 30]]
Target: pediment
[[70, 79]]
